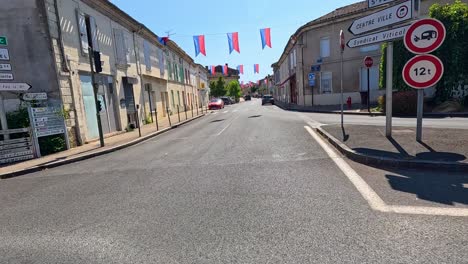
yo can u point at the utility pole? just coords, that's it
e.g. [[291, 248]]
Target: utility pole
[[342, 47]]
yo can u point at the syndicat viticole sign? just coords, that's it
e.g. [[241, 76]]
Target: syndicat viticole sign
[[382, 36]]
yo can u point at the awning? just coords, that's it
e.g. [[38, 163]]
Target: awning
[[289, 78]]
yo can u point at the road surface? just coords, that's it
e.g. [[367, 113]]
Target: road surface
[[246, 184]]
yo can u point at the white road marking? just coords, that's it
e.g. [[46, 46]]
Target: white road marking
[[225, 112], [224, 129], [374, 200], [214, 113]]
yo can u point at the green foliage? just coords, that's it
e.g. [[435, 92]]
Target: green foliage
[[148, 120], [454, 51], [405, 103], [254, 89], [52, 144], [400, 56], [234, 90], [218, 88], [18, 118]]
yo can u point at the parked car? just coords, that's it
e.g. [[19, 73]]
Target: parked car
[[248, 98], [268, 99], [226, 100], [216, 104]]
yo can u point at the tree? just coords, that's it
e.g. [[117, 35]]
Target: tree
[[234, 90], [218, 88]]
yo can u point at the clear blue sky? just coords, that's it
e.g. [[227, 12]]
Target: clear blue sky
[[186, 18]]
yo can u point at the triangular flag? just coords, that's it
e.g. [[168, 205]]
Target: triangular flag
[[233, 42]]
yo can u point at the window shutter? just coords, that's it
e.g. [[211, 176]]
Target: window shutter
[[83, 34], [128, 45], [147, 54], [119, 47], [94, 34]]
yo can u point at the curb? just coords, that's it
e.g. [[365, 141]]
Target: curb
[[377, 161], [428, 115], [9, 175]]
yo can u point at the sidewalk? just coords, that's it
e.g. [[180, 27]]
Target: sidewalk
[[355, 109], [93, 149], [441, 148]]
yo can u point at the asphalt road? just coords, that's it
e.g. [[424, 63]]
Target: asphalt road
[[247, 184]]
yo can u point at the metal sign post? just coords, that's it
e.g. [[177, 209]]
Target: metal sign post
[[368, 62], [342, 46], [389, 94]]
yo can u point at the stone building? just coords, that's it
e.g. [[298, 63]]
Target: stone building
[[49, 45]]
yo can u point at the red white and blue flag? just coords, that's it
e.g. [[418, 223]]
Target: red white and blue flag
[[199, 42], [240, 68], [265, 34], [256, 68], [163, 40], [233, 42]]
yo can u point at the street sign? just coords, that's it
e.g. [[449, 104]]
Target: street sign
[[384, 18], [374, 3], [383, 36], [12, 87], [342, 41], [311, 79], [6, 76], [423, 71], [5, 67], [34, 96], [4, 54], [368, 61], [3, 41], [425, 36]]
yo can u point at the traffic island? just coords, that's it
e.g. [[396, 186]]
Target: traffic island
[[444, 149]]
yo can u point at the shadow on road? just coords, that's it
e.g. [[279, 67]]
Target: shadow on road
[[255, 116], [445, 188], [217, 120]]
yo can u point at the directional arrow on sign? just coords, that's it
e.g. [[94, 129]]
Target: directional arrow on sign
[[384, 18], [13, 87], [382, 36], [374, 3]]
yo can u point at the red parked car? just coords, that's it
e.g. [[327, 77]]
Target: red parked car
[[216, 104]]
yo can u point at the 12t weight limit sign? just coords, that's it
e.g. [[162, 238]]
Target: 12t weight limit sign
[[423, 71]]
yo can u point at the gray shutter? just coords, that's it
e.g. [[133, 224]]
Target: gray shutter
[[128, 45], [94, 34], [82, 32], [147, 54], [120, 47]]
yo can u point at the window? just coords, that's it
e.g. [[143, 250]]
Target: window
[[87, 27], [122, 47], [173, 101], [370, 48], [178, 97], [326, 82], [147, 54], [325, 47]]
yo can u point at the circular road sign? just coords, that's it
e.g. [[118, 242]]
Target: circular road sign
[[423, 71], [342, 40], [425, 36], [368, 61]]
